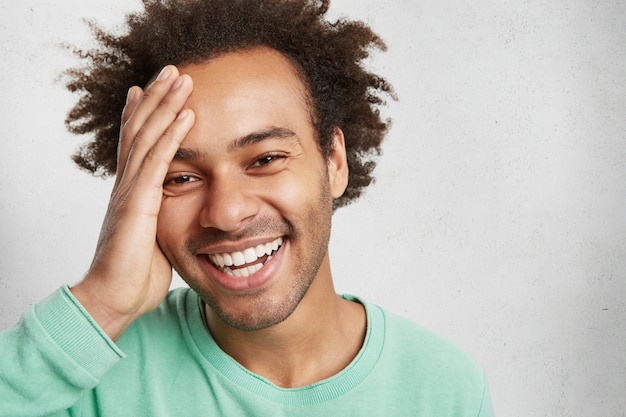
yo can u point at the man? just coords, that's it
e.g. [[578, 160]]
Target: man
[[256, 121]]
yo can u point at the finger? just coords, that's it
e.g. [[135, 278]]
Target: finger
[[158, 122], [156, 162], [149, 99], [132, 99], [132, 120], [149, 121]]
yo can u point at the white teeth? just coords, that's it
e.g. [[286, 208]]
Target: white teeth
[[238, 258], [225, 260], [250, 255], [219, 260], [243, 272]]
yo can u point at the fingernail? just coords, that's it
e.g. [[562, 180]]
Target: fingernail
[[183, 114], [165, 72], [178, 83], [130, 95]]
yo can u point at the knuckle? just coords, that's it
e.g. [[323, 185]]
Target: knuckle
[[139, 137], [154, 159], [167, 109], [127, 129], [148, 92]]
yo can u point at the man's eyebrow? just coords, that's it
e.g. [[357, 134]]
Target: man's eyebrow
[[256, 137], [185, 154]]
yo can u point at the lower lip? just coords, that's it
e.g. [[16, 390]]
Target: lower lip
[[255, 281]]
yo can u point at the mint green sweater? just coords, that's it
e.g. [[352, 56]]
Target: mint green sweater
[[57, 362]]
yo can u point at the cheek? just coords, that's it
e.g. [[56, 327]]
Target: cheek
[[176, 217], [295, 197], [308, 202], [164, 231]]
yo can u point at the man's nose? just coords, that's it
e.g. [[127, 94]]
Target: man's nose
[[229, 203]]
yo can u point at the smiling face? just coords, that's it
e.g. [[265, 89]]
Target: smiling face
[[247, 206]]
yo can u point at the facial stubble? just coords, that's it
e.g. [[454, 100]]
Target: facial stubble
[[262, 309]]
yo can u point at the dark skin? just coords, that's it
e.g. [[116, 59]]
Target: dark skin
[[329, 55], [284, 322]]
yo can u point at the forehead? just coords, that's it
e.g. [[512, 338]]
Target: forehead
[[242, 92]]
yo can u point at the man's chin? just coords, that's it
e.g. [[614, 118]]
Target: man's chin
[[257, 315]]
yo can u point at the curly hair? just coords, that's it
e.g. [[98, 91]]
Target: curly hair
[[329, 56]]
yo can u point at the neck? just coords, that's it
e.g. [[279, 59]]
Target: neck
[[318, 340]]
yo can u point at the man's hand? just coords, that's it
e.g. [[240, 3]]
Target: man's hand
[[129, 274]]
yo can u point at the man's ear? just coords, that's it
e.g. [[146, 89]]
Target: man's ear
[[338, 165]]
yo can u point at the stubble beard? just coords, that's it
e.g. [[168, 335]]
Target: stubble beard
[[262, 310]]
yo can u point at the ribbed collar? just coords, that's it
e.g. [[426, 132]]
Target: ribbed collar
[[316, 393]]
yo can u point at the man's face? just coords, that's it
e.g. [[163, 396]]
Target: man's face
[[249, 185]]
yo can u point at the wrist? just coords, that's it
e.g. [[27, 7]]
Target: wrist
[[111, 319]]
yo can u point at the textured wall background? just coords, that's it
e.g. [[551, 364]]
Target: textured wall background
[[498, 216]]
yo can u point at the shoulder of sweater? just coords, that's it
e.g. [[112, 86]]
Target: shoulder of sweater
[[404, 335]]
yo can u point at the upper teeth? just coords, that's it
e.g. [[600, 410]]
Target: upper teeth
[[246, 256]]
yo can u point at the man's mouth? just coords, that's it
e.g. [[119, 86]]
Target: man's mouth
[[244, 263]]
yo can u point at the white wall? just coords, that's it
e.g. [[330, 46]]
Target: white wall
[[497, 218]]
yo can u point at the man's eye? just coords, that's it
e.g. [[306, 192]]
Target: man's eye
[[267, 159], [183, 179], [180, 179]]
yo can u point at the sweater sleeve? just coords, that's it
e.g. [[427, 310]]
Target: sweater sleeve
[[51, 356]]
